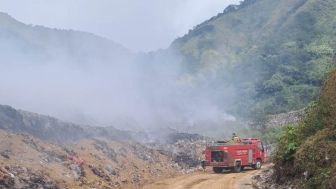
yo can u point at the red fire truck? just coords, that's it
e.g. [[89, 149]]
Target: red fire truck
[[248, 152]]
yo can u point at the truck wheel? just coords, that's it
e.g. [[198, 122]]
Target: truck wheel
[[237, 168], [257, 165], [217, 169]]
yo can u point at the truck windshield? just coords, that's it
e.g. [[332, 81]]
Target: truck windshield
[[218, 156]]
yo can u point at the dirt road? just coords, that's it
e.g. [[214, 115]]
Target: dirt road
[[207, 180]]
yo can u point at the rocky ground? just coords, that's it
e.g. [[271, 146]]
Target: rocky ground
[[283, 119], [265, 180]]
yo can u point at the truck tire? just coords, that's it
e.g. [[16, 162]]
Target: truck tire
[[237, 168], [217, 169], [257, 165]]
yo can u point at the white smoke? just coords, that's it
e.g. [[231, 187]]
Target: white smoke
[[86, 79]]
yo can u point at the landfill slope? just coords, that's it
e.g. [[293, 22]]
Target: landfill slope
[[28, 162]]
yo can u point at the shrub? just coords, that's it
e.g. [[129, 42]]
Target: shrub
[[308, 151], [284, 156]]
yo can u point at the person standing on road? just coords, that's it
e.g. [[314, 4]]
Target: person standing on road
[[202, 160]]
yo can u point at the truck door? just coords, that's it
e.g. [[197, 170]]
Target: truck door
[[261, 150]]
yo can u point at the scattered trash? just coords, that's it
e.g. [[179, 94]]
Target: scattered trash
[[99, 172], [111, 171], [103, 147], [77, 171], [76, 160], [15, 176], [5, 154]]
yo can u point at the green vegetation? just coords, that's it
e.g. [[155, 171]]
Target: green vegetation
[[271, 136], [264, 56], [308, 152]]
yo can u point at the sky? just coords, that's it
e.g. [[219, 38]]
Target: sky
[[139, 25]]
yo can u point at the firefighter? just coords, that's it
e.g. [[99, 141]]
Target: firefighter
[[202, 160], [235, 138]]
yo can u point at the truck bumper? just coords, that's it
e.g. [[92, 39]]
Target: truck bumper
[[218, 164]]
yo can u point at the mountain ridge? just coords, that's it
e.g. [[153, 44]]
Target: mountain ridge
[[43, 43]]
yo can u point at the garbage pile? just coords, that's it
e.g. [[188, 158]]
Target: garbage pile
[[103, 147], [21, 177], [184, 150], [186, 153], [28, 162], [145, 153]]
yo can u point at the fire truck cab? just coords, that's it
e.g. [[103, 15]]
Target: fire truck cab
[[235, 156]]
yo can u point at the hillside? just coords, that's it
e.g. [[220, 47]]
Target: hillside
[[56, 70], [54, 130], [27, 44], [262, 56]]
